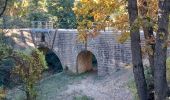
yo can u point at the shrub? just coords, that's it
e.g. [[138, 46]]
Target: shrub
[[132, 87], [29, 69], [2, 94]]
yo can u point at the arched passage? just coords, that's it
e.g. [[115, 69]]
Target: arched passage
[[86, 61], [53, 62]]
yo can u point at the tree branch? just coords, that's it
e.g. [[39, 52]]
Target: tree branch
[[1, 13]]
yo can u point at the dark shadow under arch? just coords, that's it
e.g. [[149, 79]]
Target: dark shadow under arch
[[53, 62], [86, 61]]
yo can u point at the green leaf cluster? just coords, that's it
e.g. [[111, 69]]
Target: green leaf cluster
[[5, 50], [63, 10], [29, 68]]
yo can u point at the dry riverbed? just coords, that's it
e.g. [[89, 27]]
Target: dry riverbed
[[86, 86]]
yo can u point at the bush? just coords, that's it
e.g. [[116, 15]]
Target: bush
[[5, 72], [2, 94], [6, 63], [132, 87], [29, 69]]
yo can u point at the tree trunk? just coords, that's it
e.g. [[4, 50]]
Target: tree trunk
[[148, 33], [160, 81], [3, 8], [4, 21], [138, 69], [28, 96]]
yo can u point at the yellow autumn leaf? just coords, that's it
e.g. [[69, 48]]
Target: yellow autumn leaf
[[123, 37]]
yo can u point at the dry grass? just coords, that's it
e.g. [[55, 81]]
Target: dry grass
[[132, 88], [168, 69], [48, 87]]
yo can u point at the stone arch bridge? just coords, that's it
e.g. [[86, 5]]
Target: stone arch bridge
[[110, 55]]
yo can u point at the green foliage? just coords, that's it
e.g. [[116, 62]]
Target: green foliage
[[5, 50], [132, 87], [2, 94], [29, 66], [19, 13], [29, 69], [45, 88], [17, 8], [39, 16], [148, 75], [84, 97], [15, 22], [39, 58], [37, 5], [63, 10]]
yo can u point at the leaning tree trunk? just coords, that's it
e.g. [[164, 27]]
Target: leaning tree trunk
[[138, 69], [160, 81]]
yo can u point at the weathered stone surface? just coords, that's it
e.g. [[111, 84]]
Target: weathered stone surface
[[110, 54]]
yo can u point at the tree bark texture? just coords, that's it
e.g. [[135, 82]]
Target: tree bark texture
[[160, 56], [4, 7], [138, 69]]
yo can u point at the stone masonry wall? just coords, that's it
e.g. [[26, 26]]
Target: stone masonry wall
[[110, 55]]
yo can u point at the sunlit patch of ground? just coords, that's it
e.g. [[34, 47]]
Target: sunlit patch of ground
[[22, 38], [82, 87]]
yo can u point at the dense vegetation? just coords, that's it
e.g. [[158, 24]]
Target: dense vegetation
[[19, 67], [19, 14], [90, 17]]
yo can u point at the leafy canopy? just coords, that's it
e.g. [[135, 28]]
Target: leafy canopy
[[63, 10], [29, 68], [96, 15]]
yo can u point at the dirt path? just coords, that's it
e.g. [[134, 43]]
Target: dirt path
[[112, 87]]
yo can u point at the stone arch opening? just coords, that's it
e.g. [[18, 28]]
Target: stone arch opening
[[86, 61], [42, 37], [53, 61]]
